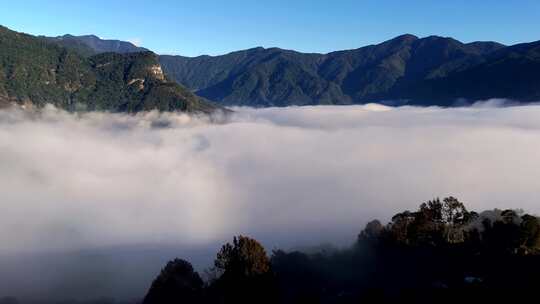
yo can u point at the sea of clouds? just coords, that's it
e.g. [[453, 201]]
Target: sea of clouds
[[289, 177]]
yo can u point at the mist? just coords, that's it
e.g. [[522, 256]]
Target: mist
[[111, 197]]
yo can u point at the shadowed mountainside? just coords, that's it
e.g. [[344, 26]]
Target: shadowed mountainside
[[406, 69]]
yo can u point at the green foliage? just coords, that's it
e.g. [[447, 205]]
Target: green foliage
[[245, 271], [89, 45], [448, 223], [530, 232], [72, 44], [245, 257], [427, 71], [403, 68], [440, 253], [37, 71]]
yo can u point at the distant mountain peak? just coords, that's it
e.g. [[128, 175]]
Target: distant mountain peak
[[89, 45], [406, 37], [405, 69], [427, 70], [400, 40], [90, 36], [71, 79]]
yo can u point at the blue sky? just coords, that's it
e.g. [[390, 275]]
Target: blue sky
[[216, 27]]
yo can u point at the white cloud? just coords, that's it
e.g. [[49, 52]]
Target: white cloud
[[287, 176], [106, 179]]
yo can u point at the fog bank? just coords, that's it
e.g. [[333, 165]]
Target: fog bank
[[287, 176]]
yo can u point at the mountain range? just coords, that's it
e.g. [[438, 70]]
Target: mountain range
[[35, 71], [405, 70], [89, 45]]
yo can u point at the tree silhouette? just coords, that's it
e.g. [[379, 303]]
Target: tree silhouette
[[245, 273], [372, 231], [439, 253], [177, 283], [530, 233], [244, 257]]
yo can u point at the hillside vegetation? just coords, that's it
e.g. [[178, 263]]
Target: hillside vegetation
[[405, 70], [441, 253], [34, 71]]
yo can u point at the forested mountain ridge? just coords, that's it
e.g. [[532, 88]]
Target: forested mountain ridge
[[405, 70], [440, 253], [92, 45], [37, 72], [400, 70], [512, 72]]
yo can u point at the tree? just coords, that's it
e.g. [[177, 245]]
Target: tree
[[399, 227], [372, 231], [502, 236], [245, 273], [432, 211], [530, 233], [299, 278], [435, 223], [177, 283], [244, 257], [453, 211], [455, 216]]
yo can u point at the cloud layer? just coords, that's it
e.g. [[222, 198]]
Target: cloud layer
[[288, 176]]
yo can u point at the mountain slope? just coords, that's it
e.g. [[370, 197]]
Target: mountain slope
[[91, 45], [394, 69], [404, 70], [512, 72], [38, 72]]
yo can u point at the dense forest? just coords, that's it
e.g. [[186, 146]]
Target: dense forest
[[404, 70], [89, 45], [407, 69], [35, 71], [440, 253]]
